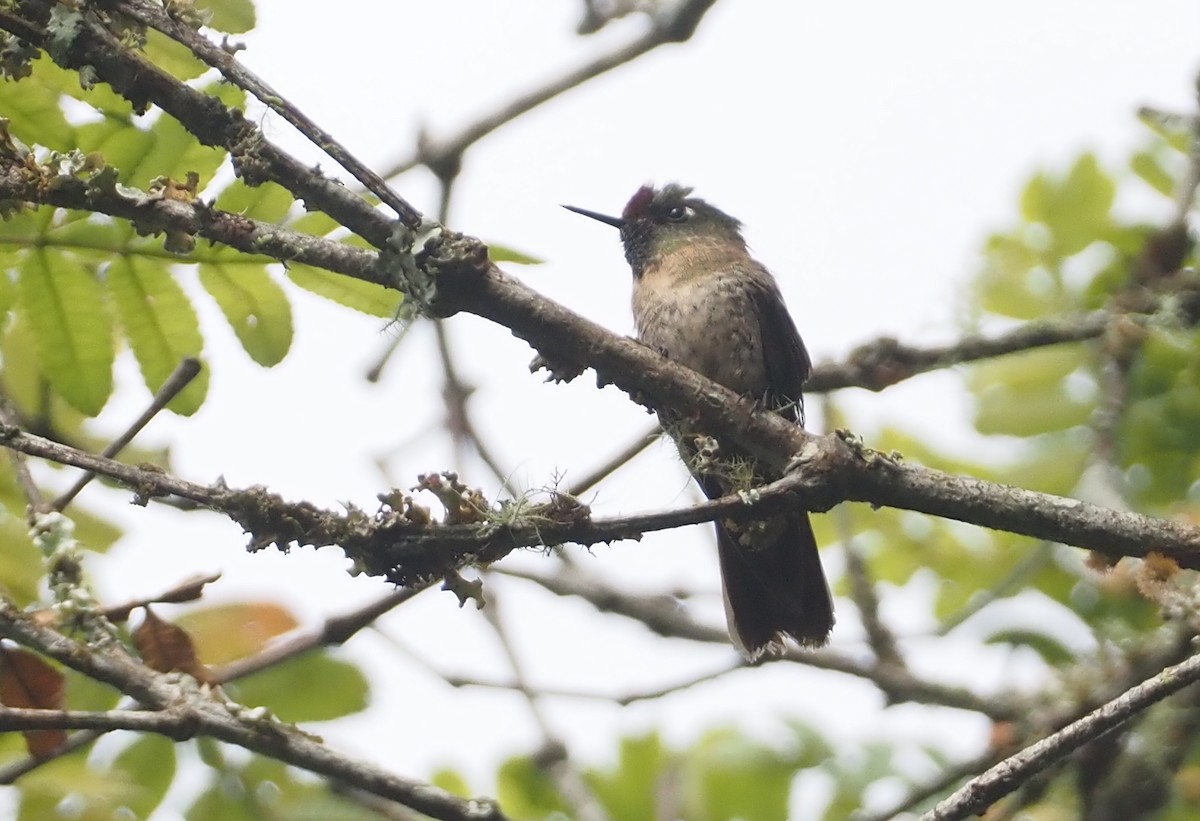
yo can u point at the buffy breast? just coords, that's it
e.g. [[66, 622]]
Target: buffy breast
[[707, 323]]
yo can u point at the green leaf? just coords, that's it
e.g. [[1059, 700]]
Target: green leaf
[[255, 306], [173, 57], [23, 379], [267, 202], [32, 108], [172, 152], [317, 223], [161, 325], [93, 532], [226, 632], [8, 295], [333, 689], [268, 789], [1053, 467], [41, 791], [21, 566], [1005, 411], [1075, 208], [366, 297], [131, 788], [525, 790], [1053, 651], [231, 16], [92, 233], [65, 307], [1026, 394], [1005, 285], [100, 96], [224, 802], [147, 767], [1176, 131], [729, 776], [631, 790], [84, 693], [120, 142], [501, 253], [1147, 165], [165, 149], [452, 782]]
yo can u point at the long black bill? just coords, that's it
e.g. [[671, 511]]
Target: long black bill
[[615, 222]]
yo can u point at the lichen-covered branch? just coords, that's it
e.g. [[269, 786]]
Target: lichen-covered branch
[[978, 794], [84, 41], [194, 712]]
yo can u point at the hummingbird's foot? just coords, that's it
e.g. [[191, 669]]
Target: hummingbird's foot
[[658, 349], [557, 370]]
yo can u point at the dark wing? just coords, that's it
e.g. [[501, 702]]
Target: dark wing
[[784, 354]]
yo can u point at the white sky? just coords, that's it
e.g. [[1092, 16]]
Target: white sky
[[868, 147]]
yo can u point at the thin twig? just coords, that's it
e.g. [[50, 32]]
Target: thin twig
[[602, 472], [922, 793], [678, 27], [662, 615], [463, 433], [621, 700], [553, 757], [187, 370], [862, 590], [335, 630], [1029, 564], [33, 495]]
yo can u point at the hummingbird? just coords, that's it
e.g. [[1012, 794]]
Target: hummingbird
[[702, 300]]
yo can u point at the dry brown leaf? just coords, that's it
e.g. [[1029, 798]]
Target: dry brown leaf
[[168, 648], [29, 681]]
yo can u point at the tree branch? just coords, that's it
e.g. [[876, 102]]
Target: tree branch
[[178, 725], [664, 616], [152, 214], [677, 27], [978, 794], [407, 551], [87, 42], [222, 59], [199, 714], [187, 370]]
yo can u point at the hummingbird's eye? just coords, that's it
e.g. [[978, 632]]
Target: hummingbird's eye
[[679, 213]]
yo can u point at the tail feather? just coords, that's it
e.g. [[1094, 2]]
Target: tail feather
[[775, 588]]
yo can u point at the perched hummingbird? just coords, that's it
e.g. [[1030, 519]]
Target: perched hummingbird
[[703, 301]]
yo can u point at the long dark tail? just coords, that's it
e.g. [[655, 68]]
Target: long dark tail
[[774, 585]]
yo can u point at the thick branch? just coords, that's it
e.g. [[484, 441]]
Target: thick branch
[[154, 215], [404, 550]]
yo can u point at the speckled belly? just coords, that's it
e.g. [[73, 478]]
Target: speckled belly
[[709, 325]]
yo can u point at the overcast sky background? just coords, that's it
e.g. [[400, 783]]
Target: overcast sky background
[[868, 147]]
